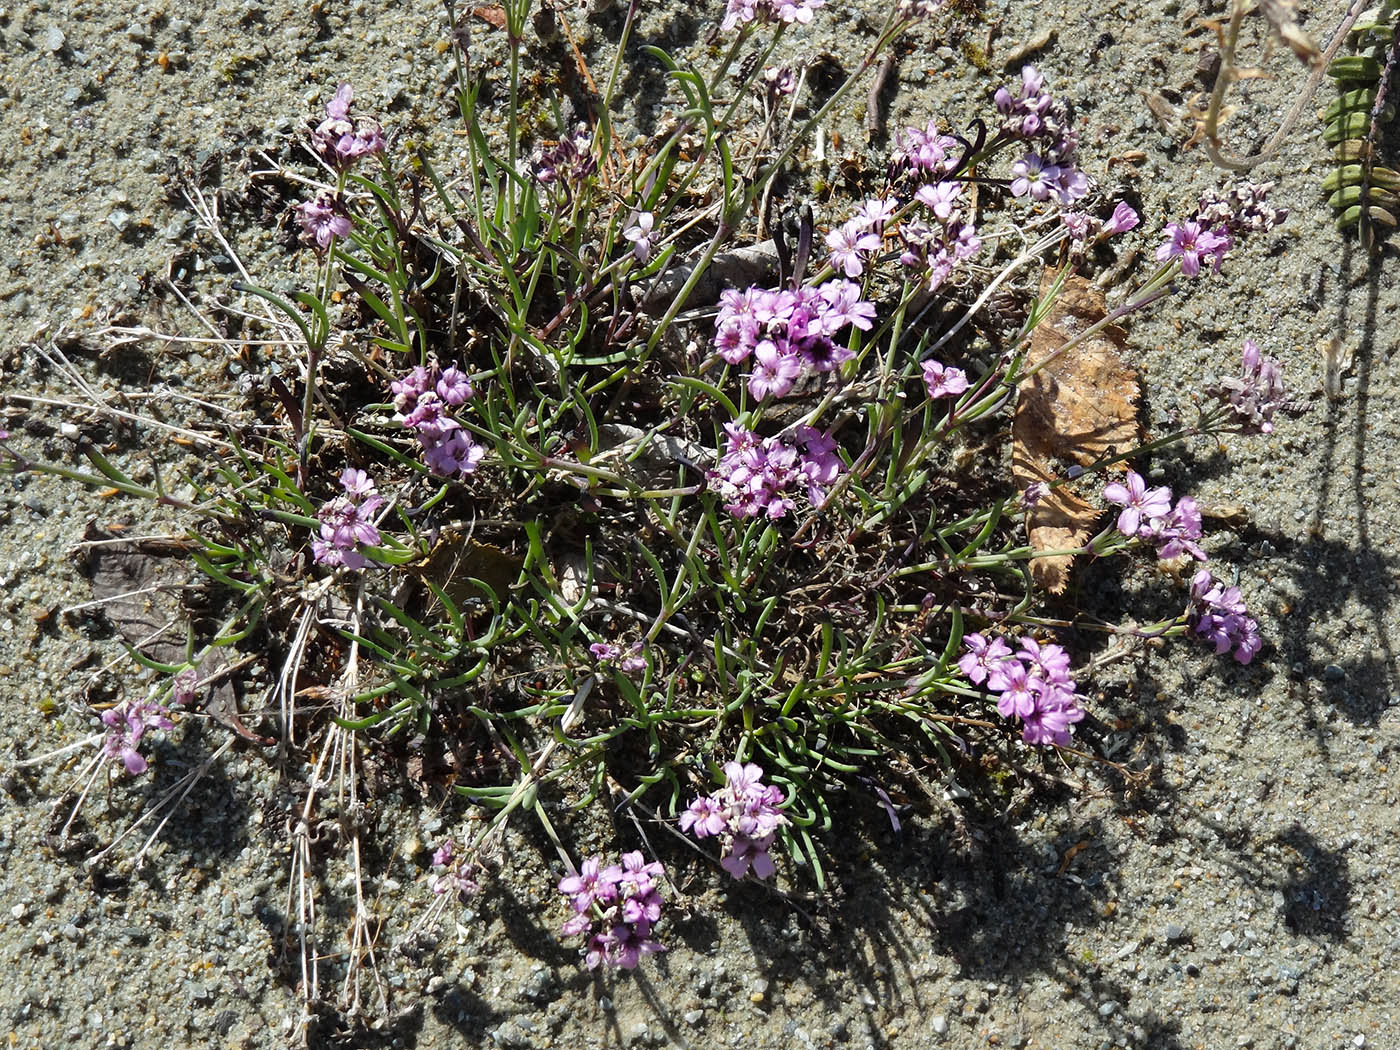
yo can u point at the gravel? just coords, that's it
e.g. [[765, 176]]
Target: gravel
[[1254, 873]]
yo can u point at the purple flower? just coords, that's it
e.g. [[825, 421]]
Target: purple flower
[[626, 902], [454, 387], [705, 816], [453, 452], [347, 522], [927, 151], [629, 662], [1124, 218], [943, 380], [640, 234], [745, 854], [1034, 685], [127, 723], [1012, 679], [1176, 533], [1191, 244], [941, 198], [338, 140], [588, 885], [982, 656], [442, 856], [1137, 501], [756, 475], [847, 245], [874, 213], [844, 306], [741, 12], [1217, 615], [774, 371], [322, 221], [1032, 176]]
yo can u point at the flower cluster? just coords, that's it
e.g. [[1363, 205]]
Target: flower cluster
[[1148, 514], [788, 332], [1256, 394], [1241, 210], [1033, 114], [567, 163], [422, 400], [1218, 615], [742, 12], [1034, 683], [759, 474], [628, 661], [127, 723], [341, 141], [625, 902], [746, 813], [454, 874], [940, 232], [347, 522]]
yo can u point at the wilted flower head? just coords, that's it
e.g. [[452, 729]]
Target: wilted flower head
[[127, 723], [1256, 394], [1241, 210], [568, 162]]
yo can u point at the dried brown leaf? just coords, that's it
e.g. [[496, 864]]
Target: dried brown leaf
[[492, 15], [1076, 410]]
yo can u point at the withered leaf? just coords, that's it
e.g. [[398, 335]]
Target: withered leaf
[[139, 583], [1075, 411], [493, 15]]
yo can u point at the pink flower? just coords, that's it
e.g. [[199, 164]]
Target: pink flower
[[1191, 244], [847, 243], [1124, 218], [943, 380], [1138, 502]]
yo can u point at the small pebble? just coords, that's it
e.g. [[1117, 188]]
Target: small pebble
[[54, 40], [939, 1025]]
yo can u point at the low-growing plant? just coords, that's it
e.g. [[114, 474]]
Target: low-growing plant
[[604, 458]]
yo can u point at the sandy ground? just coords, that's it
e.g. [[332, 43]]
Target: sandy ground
[[1248, 898]]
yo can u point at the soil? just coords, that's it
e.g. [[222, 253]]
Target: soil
[[1245, 897]]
